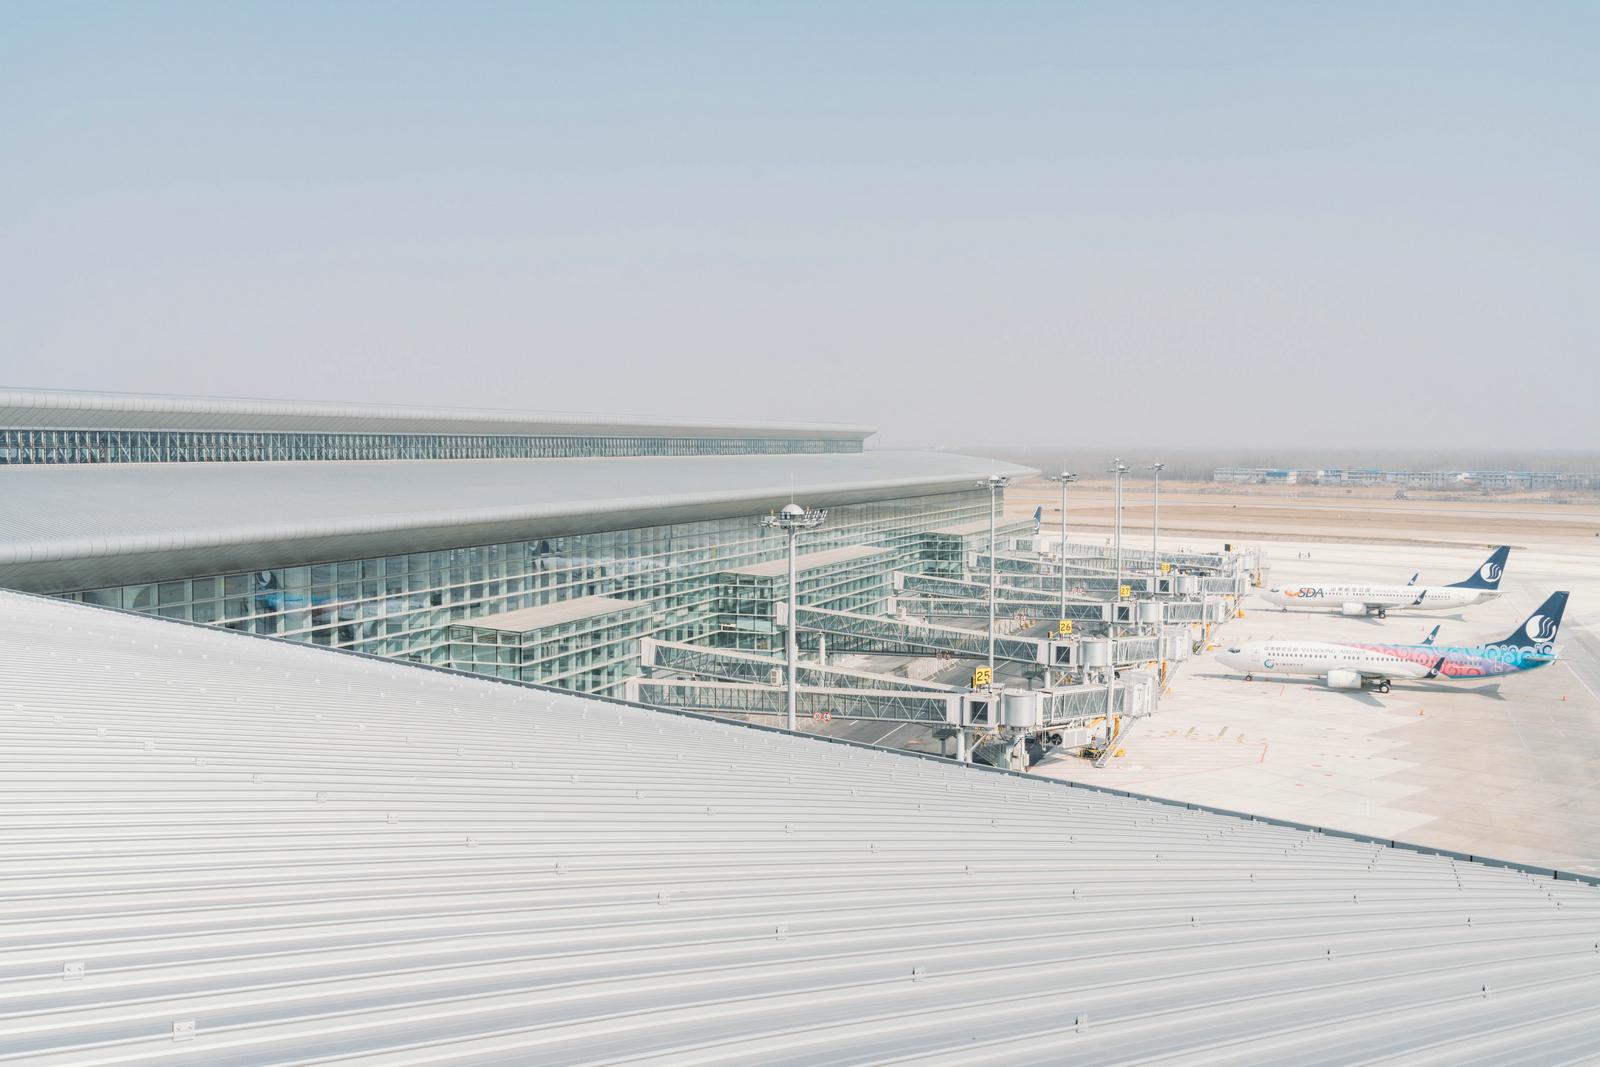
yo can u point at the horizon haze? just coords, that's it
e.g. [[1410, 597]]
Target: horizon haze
[[1236, 226]]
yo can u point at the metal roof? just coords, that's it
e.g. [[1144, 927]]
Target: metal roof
[[224, 850], [570, 610], [81, 526], [806, 561], [70, 409]]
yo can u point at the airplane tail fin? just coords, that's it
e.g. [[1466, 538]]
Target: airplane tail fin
[[1540, 628], [1038, 518], [1414, 578], [1433, 633], [1488, 575]]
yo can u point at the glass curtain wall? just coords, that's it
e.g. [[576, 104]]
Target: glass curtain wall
[[182, 446], [405, 605]]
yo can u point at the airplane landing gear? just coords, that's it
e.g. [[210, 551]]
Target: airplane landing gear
[[1249, 677], [1383, 613], [1383, 686]]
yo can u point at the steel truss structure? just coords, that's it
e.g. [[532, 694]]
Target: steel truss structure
[[1044, 578], [811, 702], [979, 608], [730, 666], [866, 633]]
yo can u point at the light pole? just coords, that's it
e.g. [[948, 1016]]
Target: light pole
[[1066, 477], [1155, 527], [792, 519], [994, 483], [1117, 470]]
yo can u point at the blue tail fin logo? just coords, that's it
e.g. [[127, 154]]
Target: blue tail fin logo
[[1541, 627], [1488, 575], [1038, 518]]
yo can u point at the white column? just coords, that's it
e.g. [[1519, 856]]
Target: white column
[[1116, 530], [1063, 543], [993, 492], [794, 623]]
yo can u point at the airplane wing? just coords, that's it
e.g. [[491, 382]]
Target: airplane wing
[[1392, 671]]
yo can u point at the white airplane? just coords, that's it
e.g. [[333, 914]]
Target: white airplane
[[1358, 599], [1349, 665]]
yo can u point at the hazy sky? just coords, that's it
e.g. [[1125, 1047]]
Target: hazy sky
[[1272, 223]]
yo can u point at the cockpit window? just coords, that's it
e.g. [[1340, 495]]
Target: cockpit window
[[1234, 649]]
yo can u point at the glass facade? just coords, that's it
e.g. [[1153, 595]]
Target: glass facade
[[746, 611], [188, 446], [421, 606]]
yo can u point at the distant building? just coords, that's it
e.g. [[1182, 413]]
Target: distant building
[[1256, 475], [1499, 481]]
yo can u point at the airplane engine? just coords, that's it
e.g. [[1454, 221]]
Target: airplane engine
[[1344, 679], [1352, 609]]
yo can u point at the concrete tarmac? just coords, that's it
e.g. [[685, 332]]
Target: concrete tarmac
[[1509, 769]]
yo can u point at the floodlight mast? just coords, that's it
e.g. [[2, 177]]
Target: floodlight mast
[[1117, 470], [792, 519], [1066, 477], [1155, 526], [994, 483]]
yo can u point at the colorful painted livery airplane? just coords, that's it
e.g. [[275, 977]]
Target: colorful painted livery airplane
[[1358, 599], [1350, 665]]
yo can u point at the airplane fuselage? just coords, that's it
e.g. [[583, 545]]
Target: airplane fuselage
[[1376, 597], [1378, 661]]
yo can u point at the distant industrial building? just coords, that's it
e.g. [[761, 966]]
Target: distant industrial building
[[1493, 480], [1256, 475]]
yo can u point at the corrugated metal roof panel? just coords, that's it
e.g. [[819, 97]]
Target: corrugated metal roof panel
[[808, 561], [223, 850], [554, 614], [70, 409], [80, 526]]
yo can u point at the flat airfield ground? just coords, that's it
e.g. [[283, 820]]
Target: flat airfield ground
[[1508, 769]]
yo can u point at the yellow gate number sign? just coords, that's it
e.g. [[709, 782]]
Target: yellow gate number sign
[[1064, 627], [981, 677], [1124, 591], [1166, 568]]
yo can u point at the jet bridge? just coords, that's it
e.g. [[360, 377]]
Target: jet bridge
[[951, 587], [729, 665], [952, 598], [1041, 577], [1023, 710], [848, 631], [1099, 555], [1023, 573], [875, 634], [811, 702], [978, 608]]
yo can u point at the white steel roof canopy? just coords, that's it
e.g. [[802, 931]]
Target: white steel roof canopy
[[69, 409], [217, 849], [83, 526]]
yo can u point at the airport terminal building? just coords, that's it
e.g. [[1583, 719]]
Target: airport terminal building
[[220, 848], [527, 546]]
